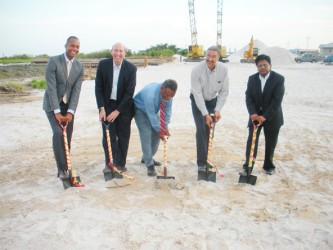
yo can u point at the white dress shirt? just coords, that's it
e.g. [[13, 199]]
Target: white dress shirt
[[116, 71], [263, 81]]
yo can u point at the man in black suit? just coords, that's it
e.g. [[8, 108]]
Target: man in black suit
[[64, 76], [114, 88], [264, 94]]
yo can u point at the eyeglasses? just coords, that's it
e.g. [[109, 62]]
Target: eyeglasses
[[262, 65]]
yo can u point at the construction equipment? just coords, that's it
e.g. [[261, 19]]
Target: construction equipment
[[195, 51], [251, 54], [73, 180], [251, 179], [222, 49]]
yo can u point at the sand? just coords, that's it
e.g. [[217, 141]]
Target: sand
[[289, 210]]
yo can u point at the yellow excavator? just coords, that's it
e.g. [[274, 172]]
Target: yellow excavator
[[195, 51], [251, 54]]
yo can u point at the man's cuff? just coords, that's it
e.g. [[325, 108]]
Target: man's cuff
[[71, 111], [56, 111]]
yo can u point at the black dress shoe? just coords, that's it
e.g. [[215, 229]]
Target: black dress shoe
[[156, 163], [151, 171], [270, 171]]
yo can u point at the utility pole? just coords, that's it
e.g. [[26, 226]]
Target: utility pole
[[307, 42]]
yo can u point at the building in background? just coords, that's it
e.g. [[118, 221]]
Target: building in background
[[326, 49]]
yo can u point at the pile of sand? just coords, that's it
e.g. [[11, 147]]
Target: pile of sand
[[278, 55]]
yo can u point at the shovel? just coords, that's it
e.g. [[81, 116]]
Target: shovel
[[251, 179], [108, 173], [211, 169], [164, 174], [113, 171], [74, 179]]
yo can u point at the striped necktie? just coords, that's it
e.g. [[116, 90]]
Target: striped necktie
[[162, 118]]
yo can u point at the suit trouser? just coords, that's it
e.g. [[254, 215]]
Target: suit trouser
[[202, 133], [148, 137], [271, 138], [120, 133], [57, 139]]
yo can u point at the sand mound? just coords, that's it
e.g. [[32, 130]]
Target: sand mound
[[278, 55]]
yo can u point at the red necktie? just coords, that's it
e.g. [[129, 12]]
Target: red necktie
[[162, 118]]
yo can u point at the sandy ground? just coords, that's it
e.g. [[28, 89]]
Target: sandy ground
[[289, 210]]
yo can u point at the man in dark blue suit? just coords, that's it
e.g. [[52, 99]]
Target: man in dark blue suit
[[114, 88], [264, 94]]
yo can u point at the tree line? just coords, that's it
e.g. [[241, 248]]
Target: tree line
[[157, 50]]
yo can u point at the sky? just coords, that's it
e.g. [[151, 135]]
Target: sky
[[38, 27]]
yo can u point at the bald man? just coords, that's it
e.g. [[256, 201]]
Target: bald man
[[114, 89]]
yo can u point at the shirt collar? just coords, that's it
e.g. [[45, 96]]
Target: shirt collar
[[67, 60], [116, 66], [264, 78], [209, 70]]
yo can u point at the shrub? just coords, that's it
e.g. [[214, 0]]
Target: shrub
[[38, 84]]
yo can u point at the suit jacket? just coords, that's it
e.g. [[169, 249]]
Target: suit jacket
[[268, 103], [125, 88], [58, 84]]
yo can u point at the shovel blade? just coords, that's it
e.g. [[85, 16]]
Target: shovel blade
[[66, 182], [211, 172], [117, 175], [108, 175], [249, 179], [165, 175], [202, 175], [211, 176]]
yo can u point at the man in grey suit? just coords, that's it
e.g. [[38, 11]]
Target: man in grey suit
[[64, 76]]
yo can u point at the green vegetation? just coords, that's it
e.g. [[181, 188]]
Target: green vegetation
[[13, 88], [24, 58], [38, 84], [162, 50], [157, 50], [16, 60]]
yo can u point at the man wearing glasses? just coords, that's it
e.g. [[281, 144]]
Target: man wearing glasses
[[264, 95], [209, 91]]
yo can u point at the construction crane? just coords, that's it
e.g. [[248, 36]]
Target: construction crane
[[251, 54], [222, 49], [195, 51]]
